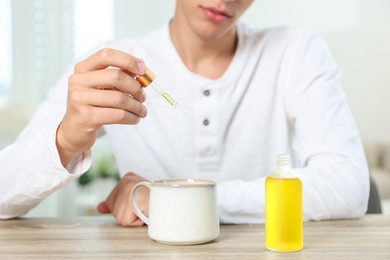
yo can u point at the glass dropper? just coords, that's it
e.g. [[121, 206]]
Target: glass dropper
[[146, 80]]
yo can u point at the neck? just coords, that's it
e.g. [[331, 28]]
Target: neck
[[207, 57]]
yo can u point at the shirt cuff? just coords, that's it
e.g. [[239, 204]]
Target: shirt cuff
[[80, 163]]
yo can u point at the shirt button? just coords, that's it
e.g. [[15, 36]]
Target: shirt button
[[205, 151], [206, 122], [206, 92]]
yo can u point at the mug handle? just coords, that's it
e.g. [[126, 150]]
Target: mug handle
[[137, 211]]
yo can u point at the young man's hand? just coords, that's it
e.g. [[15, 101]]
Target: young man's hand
[[102, 90], [119, 201]]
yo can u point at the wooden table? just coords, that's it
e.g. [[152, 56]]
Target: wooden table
[[100, 238]]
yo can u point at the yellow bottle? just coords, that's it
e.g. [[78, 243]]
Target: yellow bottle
[[283, 208]]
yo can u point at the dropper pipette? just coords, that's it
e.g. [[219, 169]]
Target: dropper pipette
[[146, 80]]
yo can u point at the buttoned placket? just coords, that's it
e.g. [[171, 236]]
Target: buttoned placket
[[208, 155]]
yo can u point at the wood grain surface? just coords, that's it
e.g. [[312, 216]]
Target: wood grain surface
[[100, 238]]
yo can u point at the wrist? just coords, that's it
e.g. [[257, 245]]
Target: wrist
[[65, 150]]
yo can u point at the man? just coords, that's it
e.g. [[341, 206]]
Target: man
[[244, 96]]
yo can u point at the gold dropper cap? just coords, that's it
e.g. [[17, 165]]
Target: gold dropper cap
[[147, 78]]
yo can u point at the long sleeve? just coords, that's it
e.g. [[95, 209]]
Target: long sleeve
[[324, 141], [30, 167]]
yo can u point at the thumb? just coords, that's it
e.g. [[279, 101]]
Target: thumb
[[103, 208]]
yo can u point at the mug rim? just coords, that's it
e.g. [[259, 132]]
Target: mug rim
[[184, 182]]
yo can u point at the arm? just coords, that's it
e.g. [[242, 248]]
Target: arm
[[325, 145], [50, 152], [30, 167], [333, 187]]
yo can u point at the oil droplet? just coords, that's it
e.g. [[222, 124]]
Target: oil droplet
[[169, 99]]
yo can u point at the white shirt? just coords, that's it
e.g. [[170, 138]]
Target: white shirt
[[280, 94]]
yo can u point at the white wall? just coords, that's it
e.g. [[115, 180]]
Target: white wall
[[358, 33], [134, 18]]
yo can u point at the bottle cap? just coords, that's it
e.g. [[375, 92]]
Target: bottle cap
[[283, 167], [284, 161], [146, 78]]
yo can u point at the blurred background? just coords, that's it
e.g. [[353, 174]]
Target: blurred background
[[39, 39]]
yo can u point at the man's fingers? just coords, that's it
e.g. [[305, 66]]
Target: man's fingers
[[107, 205], [112, 58], [127, 218], [108, 99], [119, 202], [103, 208], [107, 116], [137, 223], [108, 79]]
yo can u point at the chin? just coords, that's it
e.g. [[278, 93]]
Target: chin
[[209, 32]]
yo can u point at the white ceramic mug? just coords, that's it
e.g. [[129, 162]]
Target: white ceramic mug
[[181, 211]]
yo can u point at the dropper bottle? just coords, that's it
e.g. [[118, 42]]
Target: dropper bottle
[[283, 208], [146, 80]]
